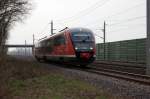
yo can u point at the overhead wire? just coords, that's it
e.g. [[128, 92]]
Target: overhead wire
[[98, 36], [86, 11], [44, 28], [120, 29], [118, 13], [126, 10], [93, 7], [127, 25], [127, 20]]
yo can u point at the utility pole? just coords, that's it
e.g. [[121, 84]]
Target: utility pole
[[33, 44], [33, 39], [104, 31], [25, 47], [148, 38], [52, 27]]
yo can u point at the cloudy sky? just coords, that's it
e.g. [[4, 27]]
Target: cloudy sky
[[125, 19]]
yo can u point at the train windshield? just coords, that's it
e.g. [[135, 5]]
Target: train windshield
[[82, 37], [83, 41]]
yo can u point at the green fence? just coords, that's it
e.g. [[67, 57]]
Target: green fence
[[124, 51]]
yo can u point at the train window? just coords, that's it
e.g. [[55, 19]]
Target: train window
[[84, 36], [49, 42], [60, 40]]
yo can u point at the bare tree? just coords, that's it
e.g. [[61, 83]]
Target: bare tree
[[11, 11]]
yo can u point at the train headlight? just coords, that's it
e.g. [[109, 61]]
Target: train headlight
[[91, 48], [76, 48]]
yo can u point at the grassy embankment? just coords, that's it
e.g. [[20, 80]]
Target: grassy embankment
[[31, 80]]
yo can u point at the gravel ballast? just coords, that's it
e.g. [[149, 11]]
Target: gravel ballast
[[117, 87]]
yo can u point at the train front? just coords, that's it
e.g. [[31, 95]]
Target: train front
[[84, 45]]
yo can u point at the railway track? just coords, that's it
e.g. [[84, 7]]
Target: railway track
[[137, 78], [124, 67], [137, 65], [121, 71], [132, 77]]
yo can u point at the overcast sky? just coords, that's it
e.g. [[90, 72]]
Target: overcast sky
[[125, 19]]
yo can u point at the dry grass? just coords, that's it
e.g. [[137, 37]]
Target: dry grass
[[12, 69], [30, 80]]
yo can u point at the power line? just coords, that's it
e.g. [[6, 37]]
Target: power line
[[86, 11], [83, 10], [127, 20], [95, 6], [98, 36], [126, 25], [46, 26], [118, 13], [129, 25], [81, 13], [126, 10], [98, 5], [120, 29]]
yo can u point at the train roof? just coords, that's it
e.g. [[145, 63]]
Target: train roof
[[79, 30], [71, 30]]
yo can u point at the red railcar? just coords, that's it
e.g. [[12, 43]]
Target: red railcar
[[76, 45]]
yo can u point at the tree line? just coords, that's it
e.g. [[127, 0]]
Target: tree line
[[11, 11]]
